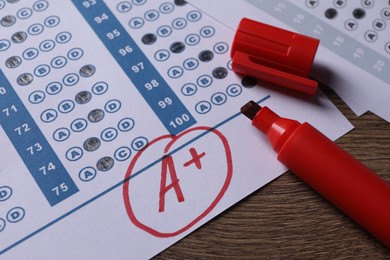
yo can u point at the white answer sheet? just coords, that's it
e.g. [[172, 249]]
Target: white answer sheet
[[354, 53], [120, 130]]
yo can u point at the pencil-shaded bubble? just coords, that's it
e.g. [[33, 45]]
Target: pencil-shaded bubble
[[13, 62], [8, 20], [248, 82], [96, 115], [330, 13], [25, 79], [206, 55], [87, 70], [219, 73], [83, 97], [19, 37], [105, 164], [91, 144], [149, 38], [177, 47], [359, 13], [180, 2]]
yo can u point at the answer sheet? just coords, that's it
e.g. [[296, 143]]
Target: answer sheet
[[120, 127], [354, 53]]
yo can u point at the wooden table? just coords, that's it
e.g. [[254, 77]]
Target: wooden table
[[286, 219]]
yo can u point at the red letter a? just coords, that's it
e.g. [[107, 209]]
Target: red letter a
[[167, 162]]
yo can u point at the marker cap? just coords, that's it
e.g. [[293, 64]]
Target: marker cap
[[274, 55]]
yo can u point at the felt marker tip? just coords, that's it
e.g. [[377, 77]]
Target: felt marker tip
[[250, 109]]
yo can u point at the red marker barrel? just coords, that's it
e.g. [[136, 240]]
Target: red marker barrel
[[327, 168]]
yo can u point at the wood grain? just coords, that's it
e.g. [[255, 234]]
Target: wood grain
[[287, 219]]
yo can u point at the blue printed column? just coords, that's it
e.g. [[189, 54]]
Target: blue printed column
[[32, 146], [157, 93]]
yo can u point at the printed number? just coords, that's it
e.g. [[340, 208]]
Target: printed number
[[9, 110], [113, 34], [34, 148], [22, 129], [60, 188], [137, 68], [45, 169], [318, 29], [124, 51], [299, 18], [89, 3], [100, 19], [153, 84], [2, 91], [280, 7], [358, 53], [378, 66], [178, 121], [164, 103]]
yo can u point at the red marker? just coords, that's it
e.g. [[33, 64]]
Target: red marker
[[327, 168]]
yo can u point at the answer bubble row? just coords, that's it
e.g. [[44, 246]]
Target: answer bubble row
[[67, 106], [153, 15], [23, 13], [75, 153], [218, 99]]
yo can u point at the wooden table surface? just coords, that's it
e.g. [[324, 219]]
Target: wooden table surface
[[286, 219]]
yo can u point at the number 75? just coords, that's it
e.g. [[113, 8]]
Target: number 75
[[60, 189]]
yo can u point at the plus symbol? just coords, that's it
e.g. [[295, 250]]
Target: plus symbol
[[195, 159]]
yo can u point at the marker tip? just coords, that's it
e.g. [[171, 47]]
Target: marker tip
[[250, 109]]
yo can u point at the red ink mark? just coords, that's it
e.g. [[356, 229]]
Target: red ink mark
[[167, 163], [195, 159], [139, 192]]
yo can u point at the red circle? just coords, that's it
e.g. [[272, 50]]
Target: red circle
[[127, 180]]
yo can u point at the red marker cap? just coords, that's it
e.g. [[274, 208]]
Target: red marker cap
[[274, 55]]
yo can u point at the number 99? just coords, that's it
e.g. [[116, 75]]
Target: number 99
[[164, 103]]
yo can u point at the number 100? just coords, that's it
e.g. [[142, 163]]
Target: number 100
[[178, 121]]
